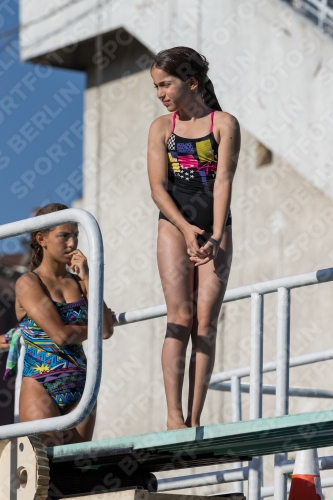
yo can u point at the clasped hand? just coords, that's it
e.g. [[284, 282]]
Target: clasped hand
[[199, 255]]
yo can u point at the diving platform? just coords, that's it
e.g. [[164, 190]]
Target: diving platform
[[131, 461]]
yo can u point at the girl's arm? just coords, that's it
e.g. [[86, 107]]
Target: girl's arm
[[228, 154], [79, 265], [158, 179], [3, 343], [107, 314], [31, 296]]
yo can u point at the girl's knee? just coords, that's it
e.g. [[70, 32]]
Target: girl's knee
[[178, 328], [181, 316], [207, 326], [205, 335]]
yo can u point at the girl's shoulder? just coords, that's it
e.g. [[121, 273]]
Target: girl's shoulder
[[27, 279], [225, 124], [161, 127], [225, 118], [162, 123], [26, 284]]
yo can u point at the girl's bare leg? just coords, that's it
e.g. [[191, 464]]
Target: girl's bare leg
[[83, 432], [177, 273], [35, 404], [212, 282]]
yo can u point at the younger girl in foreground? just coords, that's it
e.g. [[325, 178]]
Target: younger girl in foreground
[[192, 158], [52, 308]]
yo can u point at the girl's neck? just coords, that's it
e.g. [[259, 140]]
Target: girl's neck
[[52, 269], [195, 113]]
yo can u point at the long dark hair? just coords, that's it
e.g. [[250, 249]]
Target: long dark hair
[[184, 62], [36, 249]]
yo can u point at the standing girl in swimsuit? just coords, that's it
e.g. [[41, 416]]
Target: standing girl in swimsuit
[[192, 158], [52, 308]]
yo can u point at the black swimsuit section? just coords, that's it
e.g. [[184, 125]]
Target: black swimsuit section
[[192, 167]]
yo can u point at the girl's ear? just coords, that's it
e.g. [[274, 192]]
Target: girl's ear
[[193, 83], [40, 238]]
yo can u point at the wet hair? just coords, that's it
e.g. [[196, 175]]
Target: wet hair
[[36, 249], [184, 62]]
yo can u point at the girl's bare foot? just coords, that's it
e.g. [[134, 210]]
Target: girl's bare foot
[[188, 423], [175, 423]]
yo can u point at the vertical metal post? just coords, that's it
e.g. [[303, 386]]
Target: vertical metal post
[[282, 382], [256, 371], [322, 10], [18, 380], [236, 416], [98, 86]]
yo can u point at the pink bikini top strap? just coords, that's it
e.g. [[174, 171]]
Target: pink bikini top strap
[[173, 122], [212, 121]]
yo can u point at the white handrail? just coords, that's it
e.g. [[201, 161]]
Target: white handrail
[[242, 292], [270, 366]]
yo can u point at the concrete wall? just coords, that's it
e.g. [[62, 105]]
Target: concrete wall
[[278, 83]]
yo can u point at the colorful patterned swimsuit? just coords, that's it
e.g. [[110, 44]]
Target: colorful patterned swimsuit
[[192, 165], [60, 369]]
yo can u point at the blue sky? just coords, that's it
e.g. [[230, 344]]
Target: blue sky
[[41, 113]]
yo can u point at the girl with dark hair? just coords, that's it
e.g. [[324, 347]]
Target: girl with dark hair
[[192, 158], [52, 309]]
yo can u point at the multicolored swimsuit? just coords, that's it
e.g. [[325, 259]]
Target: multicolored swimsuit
[[60, 369], [192, 165]]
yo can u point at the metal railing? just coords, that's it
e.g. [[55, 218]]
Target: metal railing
[[283, 467], [94, 354], [256, 292], [218, 382], [239, 474], [320, 12]]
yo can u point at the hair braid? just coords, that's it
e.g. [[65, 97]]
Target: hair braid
[[36, 253], [209, 96]]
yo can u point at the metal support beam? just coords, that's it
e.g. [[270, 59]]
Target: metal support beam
[[300, 392], [282, 382], [195, 480], [236, 416], [270, 366], [257, 317]]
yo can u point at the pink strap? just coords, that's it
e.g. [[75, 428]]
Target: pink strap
[[211, 121], [174, 121]]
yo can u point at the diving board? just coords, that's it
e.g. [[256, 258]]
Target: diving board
[[131, 460], [263, 436]]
